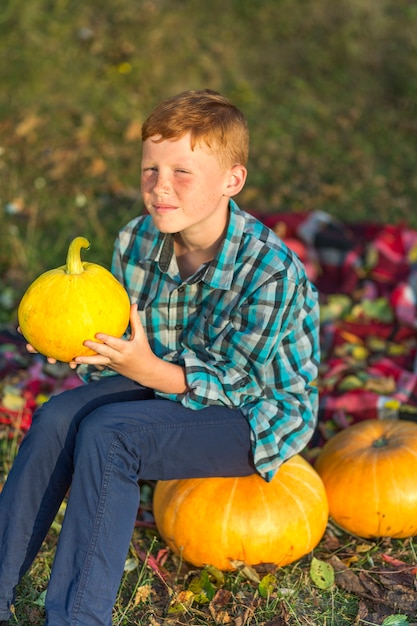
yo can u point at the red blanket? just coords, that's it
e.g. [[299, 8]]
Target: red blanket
[[366, 275]]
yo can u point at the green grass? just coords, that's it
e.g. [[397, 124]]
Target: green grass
[[145, 599]]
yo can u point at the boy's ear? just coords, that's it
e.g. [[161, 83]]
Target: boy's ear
[[236, 180]]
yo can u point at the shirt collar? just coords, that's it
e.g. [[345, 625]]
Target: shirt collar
[[166, 252], [219, 273]]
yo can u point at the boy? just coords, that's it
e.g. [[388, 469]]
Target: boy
[[215, 379]]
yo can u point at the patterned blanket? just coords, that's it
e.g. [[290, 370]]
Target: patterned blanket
[[366, 275]]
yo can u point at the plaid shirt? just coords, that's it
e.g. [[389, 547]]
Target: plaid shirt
[[244, 326]]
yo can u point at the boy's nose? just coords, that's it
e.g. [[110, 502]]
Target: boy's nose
[[161, 185]]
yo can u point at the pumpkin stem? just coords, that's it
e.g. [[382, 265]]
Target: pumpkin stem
[[380, 443], [74, 263]]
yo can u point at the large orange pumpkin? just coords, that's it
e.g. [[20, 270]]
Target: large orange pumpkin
[[215, 521], [67, 305], [369, 471]]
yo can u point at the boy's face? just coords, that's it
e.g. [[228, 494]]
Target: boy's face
[[186, 191]]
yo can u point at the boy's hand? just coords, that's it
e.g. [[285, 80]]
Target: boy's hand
[[127, 357]]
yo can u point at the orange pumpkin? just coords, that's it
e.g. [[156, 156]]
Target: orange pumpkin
[[369, 471], [67, 305], [216, 521]]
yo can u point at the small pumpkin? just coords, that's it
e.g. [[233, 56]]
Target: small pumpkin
[[65, 306], [369, 471], [217, 521]]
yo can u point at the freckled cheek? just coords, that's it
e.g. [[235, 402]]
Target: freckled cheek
[[184, 188], [146, 184], [147, 191]]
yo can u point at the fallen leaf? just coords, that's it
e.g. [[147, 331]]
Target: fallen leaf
[[396, 620], [321, 573], [28, 125], [142, 594], [363, 547], [398, 563], [221, 599], [345, 577], [247, 571], [267, 585], [181, 602]]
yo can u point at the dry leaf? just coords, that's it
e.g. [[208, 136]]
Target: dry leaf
[[134, 131], [28, 125], [97, 167], [142, 594], [248, 571]]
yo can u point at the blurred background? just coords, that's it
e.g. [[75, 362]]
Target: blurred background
[[329, 90]]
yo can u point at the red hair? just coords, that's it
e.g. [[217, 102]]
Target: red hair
[[209, 117]]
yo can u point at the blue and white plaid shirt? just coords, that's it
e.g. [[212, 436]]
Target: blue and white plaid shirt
[[245, 327]]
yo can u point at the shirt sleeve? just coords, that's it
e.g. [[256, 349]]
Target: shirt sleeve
[[267, 349]]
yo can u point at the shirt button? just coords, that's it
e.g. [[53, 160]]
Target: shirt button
[[181, 289], [178, 326]]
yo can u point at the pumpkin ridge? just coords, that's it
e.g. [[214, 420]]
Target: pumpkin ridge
[[267, 510], [301, 479], [375, 489], [301, 510], [175, 512], [225, 522], [391, 493], [315, 491], [410, 451]]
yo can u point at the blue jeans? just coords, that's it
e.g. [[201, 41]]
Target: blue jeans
[[99, 439]]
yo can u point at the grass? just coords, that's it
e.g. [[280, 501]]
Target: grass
[[144, 599], [329, 91]]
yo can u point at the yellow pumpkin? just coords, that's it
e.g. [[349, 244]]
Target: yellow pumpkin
[[65, 306], [369, 471], [216, 521]]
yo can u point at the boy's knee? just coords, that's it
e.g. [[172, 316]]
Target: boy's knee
[[53, 420], [97, 426]]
